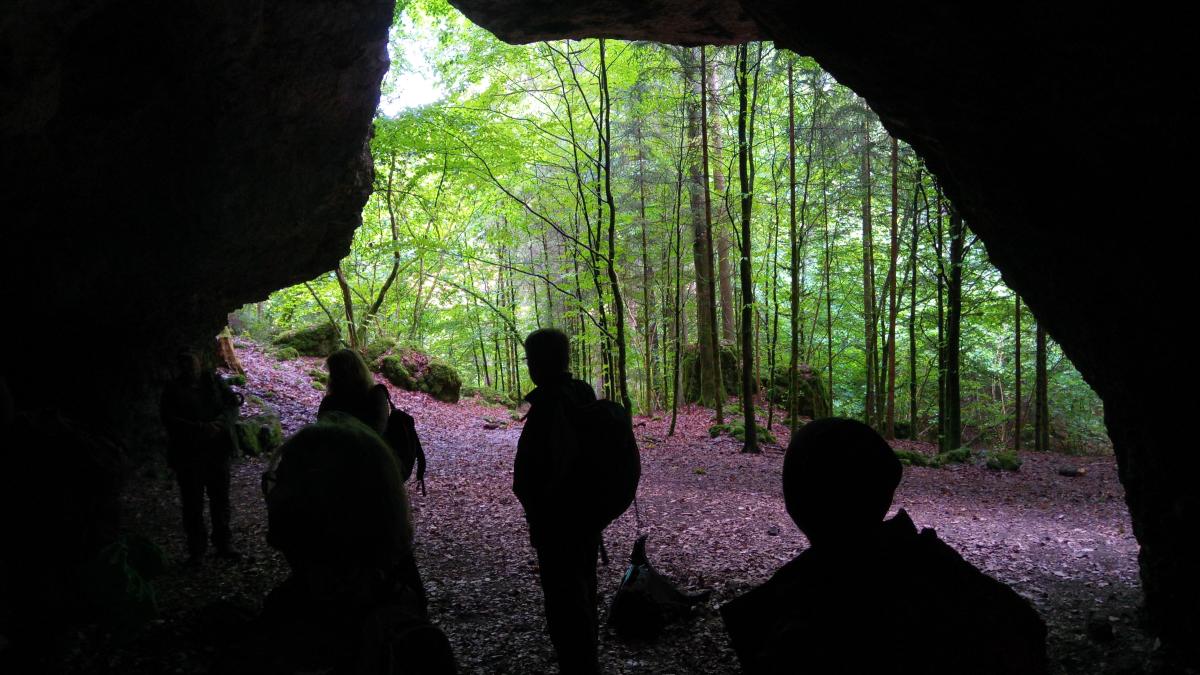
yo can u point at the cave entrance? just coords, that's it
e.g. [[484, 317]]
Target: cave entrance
[[490, 217]]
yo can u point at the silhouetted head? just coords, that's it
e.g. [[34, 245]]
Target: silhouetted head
[[838, 479], [548, 354], [347, 373], [338, 500], [188, 364]]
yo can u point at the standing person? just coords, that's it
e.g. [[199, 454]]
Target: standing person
[[352, 390], [567, 543], [199, 411]]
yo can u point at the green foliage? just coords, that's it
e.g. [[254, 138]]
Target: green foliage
[[236, 379], [321, 339], [1005, 460], [319, 375], [956, 456]]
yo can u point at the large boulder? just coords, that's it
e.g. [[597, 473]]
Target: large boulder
[[259, 435], [414, 370], [810, 388], [322, 340], [731, 372]]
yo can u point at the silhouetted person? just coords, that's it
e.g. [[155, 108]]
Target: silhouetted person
[[199, 411], [874, 596], [353, 602], [352, 390], [567, 545]]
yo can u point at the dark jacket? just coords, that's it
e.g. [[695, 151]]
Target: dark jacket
[[542, 476], [902, 602], [188, 407], [371, 408]]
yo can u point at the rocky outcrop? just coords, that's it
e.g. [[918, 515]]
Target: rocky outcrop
[[1038, 121]]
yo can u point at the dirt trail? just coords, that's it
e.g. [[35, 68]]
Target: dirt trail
[[715, 519]]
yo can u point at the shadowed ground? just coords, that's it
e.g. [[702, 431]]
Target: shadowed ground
[[715, 519]]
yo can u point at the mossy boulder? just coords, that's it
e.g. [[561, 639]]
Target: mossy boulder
[[956, 456], [414, 370], [394, 370], [375, 351], [287, 354], [912, 458], [259, 435], [689, 367], [489, 396], [319, 375], [440, 380], [738, 431], [812, 401], [319, 340], [1006, 460]]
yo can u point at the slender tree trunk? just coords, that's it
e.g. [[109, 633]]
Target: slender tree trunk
[[724, 272], [678, 294], [1017, 372], [954, 333], [869, 347], [892, 307], [940, 269], [708, 240], [618, 303], [912, 317], [793, 259], [348, 304], [1041, 390], [746, 178]]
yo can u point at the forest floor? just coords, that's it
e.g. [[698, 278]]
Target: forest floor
[[715, 519]]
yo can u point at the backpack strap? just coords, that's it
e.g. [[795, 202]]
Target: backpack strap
[[417, 442]]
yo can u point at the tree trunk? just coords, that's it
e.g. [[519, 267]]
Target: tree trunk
[[708, 243], [746, 179], [1041, 391], [869, 404], [954, 333], [893, 277], [1017, 372]]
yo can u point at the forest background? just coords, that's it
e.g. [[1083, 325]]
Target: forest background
[[665, 205]]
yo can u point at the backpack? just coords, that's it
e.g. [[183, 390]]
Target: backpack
[[609, 466], [401, 436], [646, 601]]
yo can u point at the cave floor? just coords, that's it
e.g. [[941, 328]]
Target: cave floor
[[715, 519]]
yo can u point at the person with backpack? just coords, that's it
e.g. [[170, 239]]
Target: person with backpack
[[576, 470], [199, 411], [352, 390]]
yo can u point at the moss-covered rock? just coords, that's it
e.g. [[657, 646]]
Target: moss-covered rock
[[375, 352], [960, 455], [813, 402], [259, 435], [489, 396], [319, 375], [689, 367], [1004, 461], [738, 431], [319, 340], [440, 380], [394, 370], [287, 354], [912, 458], [413, 370]]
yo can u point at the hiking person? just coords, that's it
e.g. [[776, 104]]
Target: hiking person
[[352, 389], [570, 488], [199, 411], [874, 595]]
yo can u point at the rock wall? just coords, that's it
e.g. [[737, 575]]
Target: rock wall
[[1055, 132], [165, 162]]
